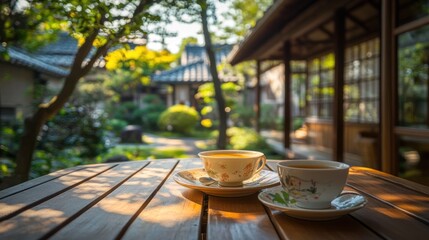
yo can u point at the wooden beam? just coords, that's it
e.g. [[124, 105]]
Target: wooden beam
[[358, 22], [326, 31], [338, 111], [387, 106], [257, 106], [287, 116], [173, 94], [309, 42], [317, 14]]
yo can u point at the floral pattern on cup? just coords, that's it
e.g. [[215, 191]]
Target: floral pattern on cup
[[301, 189], [246, 172]]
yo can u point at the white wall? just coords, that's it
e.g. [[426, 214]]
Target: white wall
[[16, 86], [183, 95], [273, 81]]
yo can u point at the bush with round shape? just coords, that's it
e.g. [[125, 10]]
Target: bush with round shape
[[178, 118]]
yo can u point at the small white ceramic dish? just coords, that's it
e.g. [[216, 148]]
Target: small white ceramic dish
[[278, 199], [190, 178]]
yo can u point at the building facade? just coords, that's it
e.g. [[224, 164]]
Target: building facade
[[367, 77]]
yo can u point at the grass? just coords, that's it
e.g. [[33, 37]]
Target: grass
[[141, 152]]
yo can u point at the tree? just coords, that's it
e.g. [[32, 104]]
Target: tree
[[204, 11], [244, 15], [98, 24], [130, 68]]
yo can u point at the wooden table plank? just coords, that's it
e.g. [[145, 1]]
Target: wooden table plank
[[174, 212], [37, 181], [388, 177], [390, 222], [18, 202], [343, 228], [40, 220], [409, 200], [106, 219], [238, 218]]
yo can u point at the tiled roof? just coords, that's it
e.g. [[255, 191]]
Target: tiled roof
[[32, 61], [195, 66], [60, 52]]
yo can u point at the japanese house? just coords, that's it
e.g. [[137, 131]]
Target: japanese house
[[366, 70]]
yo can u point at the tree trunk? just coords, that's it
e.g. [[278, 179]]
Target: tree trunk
[[221, 141], [46, 111]]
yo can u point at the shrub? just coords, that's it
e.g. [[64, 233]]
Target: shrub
[[249, 139], [178, 118], [152, 110], [243, 116], [245, 138], [128, 112], [116, 125]]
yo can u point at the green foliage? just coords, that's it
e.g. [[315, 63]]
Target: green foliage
[[152, 110], [243, 116], [206, 98], [130, 68], [206, 93], [297, 123], [244, 14], [142, 152], [178, 118], [9, 140], [116, 125], [245, 138], [128, 112], [269, 119]]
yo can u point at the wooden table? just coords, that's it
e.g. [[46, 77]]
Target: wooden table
[[140, 200]]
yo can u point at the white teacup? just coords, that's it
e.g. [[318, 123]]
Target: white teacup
[[313, 183], [232, 167]]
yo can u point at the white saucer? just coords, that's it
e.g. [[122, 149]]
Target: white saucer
[[189, 178], [278, 199]]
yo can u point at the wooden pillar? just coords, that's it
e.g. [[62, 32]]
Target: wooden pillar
[[287, 95], [257, 106], [388, 66], [338, 109], [173, 94]]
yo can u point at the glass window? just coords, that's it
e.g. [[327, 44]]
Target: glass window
[[361, 82], [413, 78], [320, 91], [414, 159], [410, 10]]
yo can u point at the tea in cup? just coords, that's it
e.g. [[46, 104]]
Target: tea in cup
[[232, 167], [313, 183]]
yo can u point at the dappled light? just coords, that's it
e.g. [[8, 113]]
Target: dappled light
[[234, 216], [389, 213], [106, 105]]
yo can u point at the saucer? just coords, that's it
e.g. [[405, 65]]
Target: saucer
[[278, 199], [190, 178]]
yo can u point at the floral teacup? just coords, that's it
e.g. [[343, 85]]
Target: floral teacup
[[313, 183], [232, 167]]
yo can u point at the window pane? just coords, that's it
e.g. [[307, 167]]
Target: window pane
[[368, 111], [413, 75], [298, 66], [361, 91], [351, 112], [414, 159], [328, 61], [372, 89], [327, 77], [313, 66]]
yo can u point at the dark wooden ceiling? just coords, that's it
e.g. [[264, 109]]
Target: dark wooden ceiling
[[309, 26]]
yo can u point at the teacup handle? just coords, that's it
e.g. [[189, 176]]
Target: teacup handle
[[264, 161]]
